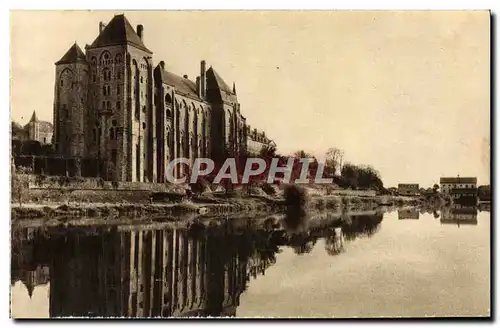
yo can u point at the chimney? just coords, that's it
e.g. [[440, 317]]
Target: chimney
[[101, 27], [140, 31], [198, 86], [185, 76], [203, 80], [162, 65]]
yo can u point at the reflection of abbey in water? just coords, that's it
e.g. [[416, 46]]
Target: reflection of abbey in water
[[459, 214], [145, 273], [136, 272]]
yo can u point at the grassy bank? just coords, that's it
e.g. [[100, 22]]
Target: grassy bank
[[117, 204]]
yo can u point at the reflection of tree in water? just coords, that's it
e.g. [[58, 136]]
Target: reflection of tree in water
[[362, 225], [334, 242]]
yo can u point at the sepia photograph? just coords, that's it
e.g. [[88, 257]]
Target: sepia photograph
[[250, 164]]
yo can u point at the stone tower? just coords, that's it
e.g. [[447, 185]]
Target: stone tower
[[121, 115], [70, 104]]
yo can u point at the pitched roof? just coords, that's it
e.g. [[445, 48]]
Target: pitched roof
[[181, 84], [459, 180], [34, 118], [220, 82], [73, 55], [119, 31]]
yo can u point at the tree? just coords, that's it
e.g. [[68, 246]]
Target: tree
[[350, 174], [334, 158], [19, 182], [435, 188]]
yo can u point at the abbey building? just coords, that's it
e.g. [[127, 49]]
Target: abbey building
[[111, 103]]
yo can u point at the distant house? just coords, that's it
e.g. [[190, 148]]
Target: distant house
[[256, 141], [35, 130], [408, 189], [460, 188]]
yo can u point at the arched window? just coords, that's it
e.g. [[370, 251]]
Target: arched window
[[94, 61], [104, 90], [118, 59], [103, 105], [105, 74], [169, 113], [168, 100], [105, 58]]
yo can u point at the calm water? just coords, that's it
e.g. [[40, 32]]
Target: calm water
[[373, 264]]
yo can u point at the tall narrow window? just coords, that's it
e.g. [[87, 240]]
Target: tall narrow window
[[119, 76], [118, 105], [62, 82], [108, 105], [108, 89], [104, 90], [118, 90]]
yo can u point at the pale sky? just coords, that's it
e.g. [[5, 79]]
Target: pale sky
[[406, 92]]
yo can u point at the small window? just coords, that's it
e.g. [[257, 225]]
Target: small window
[[112, 133], [143, 125], [104, 90], [109, 88], [144, 109], [62, 82], [93, 78], [118, 105], [118, 90], [103, 105], [108, 105], [119, 76], [141, 79]]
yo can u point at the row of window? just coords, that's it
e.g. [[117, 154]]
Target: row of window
[[105, 59], [107, 105], [106, 90]]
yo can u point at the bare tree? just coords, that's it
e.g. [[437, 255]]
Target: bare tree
[[334, 159]]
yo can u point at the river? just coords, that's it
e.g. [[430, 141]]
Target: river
[[397, 263]]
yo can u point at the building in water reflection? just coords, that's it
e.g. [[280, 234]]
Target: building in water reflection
[[459, 214], [138, 271], [408, 214]]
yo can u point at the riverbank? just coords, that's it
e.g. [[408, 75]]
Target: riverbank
[[213, 206]]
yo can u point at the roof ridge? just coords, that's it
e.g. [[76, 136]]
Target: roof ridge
[[73, 55], [119, 31]]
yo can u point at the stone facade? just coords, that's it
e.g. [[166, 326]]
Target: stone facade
[[408, 189], [37, 130], [113, 104], [257, 140]]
